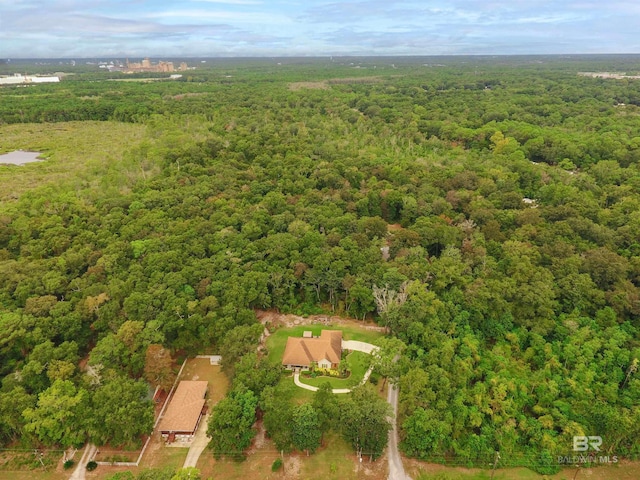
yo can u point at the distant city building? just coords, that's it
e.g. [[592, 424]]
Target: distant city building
[[147, 66], [19, 79]]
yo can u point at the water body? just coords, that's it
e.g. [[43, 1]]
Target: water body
[[20, 158]]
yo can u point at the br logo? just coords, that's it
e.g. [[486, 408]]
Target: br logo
[[582, 443]]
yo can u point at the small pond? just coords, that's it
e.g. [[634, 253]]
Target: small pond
[[20, 157]]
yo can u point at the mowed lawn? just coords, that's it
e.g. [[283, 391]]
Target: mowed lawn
[[335, 460], [358, 363], [201, 369], [277, 341]]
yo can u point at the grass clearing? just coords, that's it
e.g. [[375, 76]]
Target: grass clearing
[[337, 461], [79, 155], [201, 369], [277, 341], [297, 394], [34, 475], [428, 471], [333, 461], [358, 364]]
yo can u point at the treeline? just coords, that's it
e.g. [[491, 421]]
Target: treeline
[[515, 285]]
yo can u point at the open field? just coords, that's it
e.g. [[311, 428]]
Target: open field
[[78, 154], [333, 461], [429, 471], [17, 464], [34, 475]]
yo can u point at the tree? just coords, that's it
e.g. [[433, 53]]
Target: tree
[[361, 300], [121, 412], [238, 342], [275, 402], [12, 404], [425, 433], [327, 407], [389, 300], [256, 373], [306, 428], [231, 421], [59, 417], [364, 419], [158, 367], [386, 359]]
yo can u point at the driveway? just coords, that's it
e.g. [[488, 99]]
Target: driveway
[[396, 470], [198, 444], [87, 456], [359, 346]]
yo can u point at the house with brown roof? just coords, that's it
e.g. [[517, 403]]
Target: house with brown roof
[[325, 351], [185, 410]]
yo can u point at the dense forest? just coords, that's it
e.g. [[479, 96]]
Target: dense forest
[[486, 211]]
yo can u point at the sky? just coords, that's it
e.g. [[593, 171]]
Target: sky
[[211, 28]]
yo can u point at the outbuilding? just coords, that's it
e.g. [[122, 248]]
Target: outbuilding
[[186, 408]]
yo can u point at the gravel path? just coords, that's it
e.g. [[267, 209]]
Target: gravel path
[[396, 470], [81, 469]]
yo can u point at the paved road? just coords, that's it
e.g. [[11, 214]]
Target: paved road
[[198, 444], [396, 470], [81, 469]]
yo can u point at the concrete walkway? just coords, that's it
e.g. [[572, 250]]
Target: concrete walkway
[[198, 444], [87, 456], [346, 345], [296, 380]]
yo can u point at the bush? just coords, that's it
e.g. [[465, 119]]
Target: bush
[[91, 466], [68, 464], [277, 465], [328, 372]]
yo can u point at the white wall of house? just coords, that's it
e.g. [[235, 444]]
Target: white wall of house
[[324, 363]]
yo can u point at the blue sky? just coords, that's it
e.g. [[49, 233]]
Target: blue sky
[[135, 28]]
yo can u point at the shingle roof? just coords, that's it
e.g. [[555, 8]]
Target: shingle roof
[[304, 351], [186, 405]]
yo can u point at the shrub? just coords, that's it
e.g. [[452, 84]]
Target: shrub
[[68, 464], [328, 372], [277, 464], [91, 466]]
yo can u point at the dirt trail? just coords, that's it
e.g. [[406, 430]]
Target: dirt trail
[[396, 470], [291, 320], [87, 456]]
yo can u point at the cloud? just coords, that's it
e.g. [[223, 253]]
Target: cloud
[[287, 27], [232, 2]]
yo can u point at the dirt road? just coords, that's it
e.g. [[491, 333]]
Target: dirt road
[[396, 470], [81, 469]]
